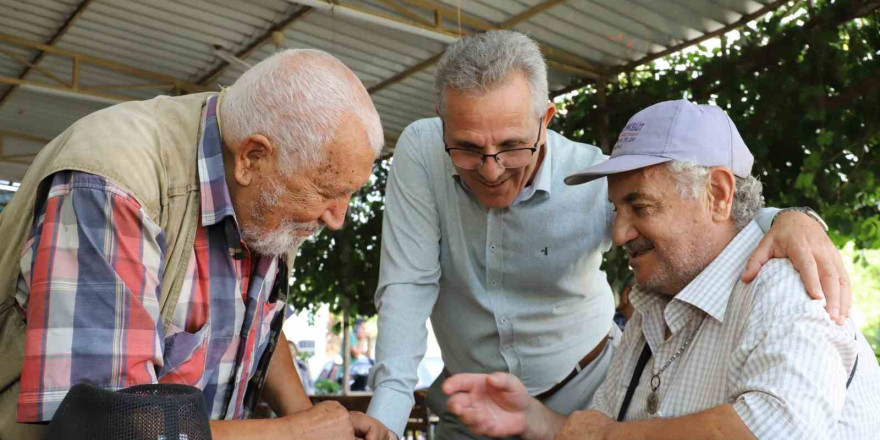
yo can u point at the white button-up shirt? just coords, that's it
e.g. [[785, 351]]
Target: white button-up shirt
[[516, 289], [765, 347]]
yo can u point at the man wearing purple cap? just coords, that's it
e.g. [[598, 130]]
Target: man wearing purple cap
[[706, 356]]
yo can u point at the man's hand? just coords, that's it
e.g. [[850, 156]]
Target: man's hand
[[802, 240], [368, 428], [585, 425], [493, 405], [326, 420], [498, 405]]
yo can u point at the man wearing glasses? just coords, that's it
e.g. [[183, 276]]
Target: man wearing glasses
[[481, 235]]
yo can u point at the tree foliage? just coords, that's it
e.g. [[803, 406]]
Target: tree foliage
[[343, 265], [802, 86]]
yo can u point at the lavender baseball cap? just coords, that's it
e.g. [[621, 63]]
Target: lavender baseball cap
[[674, 130]]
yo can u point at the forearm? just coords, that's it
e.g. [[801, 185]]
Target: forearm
[[284, 391], [262, 429], [402, 341], [542, 423], [720, 422]]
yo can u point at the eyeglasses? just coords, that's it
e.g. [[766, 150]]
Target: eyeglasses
[[508, 159]]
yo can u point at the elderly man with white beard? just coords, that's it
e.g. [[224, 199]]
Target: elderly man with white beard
[[145, 240], [706, 356]]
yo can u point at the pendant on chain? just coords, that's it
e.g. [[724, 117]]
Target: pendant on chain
[[653, 398], [653, 403]]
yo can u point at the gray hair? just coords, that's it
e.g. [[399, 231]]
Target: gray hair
[[691, 179], [478, 63], [297, 99]]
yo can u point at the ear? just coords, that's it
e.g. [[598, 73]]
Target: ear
[[255, 156], [549, 113], [722, 186]]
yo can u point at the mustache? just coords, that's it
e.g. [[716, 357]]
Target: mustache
[[638, 245], [310, 227]]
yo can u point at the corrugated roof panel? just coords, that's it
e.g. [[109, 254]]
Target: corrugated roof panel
[[592, 30], [12, 171], [571, 39], [117, 54], [619, 25], [11, 57], [387, 48], [677, 32], [102, 45], [266, 11], [17, 146], [741, 7], [177, 38], [43, 115], [125, 17], [705, 8], [184, 17], [682, 14], [332, 26], [134, 34]]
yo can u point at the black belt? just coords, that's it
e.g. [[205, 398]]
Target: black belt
[[590, 357]]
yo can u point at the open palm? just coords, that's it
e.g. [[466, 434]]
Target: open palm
[[489, 404]]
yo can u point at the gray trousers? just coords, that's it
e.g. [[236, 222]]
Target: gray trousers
[[574, 396]]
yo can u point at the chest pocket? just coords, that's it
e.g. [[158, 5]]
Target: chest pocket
[[185, 355]]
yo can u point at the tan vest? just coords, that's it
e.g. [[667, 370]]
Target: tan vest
[[149, 148]]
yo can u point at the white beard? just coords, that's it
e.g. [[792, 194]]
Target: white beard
[[282, 240]]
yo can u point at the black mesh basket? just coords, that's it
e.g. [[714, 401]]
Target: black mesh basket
[[143, 412]]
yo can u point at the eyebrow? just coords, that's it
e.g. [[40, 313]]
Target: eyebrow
[[510, 142], [635, 196]]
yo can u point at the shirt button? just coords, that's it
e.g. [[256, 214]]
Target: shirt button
[[494, 283], [504, 320], [507, 347], [493, 247]]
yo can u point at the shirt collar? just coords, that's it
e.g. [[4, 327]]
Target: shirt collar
[[543, 177], [216, 202], [710, 290]]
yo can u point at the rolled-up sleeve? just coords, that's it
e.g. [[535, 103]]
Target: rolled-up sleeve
[[408, 282], [93, 277]]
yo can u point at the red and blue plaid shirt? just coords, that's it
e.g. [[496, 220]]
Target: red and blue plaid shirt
[[91, 282]]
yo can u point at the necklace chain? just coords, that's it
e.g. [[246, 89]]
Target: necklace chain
[[681, 349], [653, 404]]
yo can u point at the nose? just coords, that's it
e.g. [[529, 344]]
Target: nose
[[334, 215], [491, 170], [623, 231]]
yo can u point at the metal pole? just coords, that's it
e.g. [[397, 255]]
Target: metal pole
[[604, 141], [346, 349]]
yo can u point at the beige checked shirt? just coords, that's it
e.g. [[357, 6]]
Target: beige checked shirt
[[765, 347]]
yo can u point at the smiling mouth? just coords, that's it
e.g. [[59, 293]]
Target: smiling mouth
[[637, 254], [492, 185]]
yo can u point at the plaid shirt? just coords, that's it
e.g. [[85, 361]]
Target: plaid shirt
[[765, 347], [90, 288]]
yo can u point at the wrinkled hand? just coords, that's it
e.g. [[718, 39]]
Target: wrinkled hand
[[368, 428], [585, 425], [489, 404], [326, 420], [802, 240]]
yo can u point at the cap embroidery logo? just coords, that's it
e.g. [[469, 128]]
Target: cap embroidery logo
[[629, 133]]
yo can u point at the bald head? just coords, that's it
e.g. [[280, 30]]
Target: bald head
[[297, 99]]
